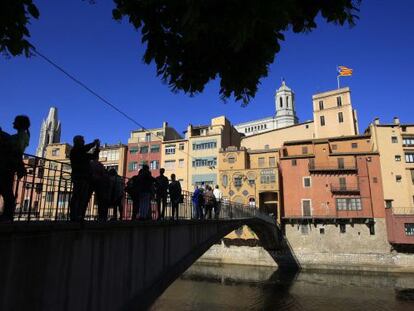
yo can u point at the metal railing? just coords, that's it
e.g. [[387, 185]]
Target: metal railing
[[403, 211], [44, 194], [344, 167], [345, 188]]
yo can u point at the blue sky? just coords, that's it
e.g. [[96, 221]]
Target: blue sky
[[106, 55]]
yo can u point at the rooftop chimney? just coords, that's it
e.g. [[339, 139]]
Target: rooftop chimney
[[396, 120], [376, 121]]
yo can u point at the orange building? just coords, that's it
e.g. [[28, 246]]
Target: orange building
[[332, 179]]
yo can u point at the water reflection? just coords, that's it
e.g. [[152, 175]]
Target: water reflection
[[259, 288]]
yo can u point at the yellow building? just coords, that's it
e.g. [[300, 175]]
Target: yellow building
[[333, 114], [250, 177], [395, 143], [114, 157], [204, 143], [174, 155]]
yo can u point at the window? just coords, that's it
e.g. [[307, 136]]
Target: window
[[224, 180], [143, 149], [169, 164], [147, 137], [304, 229], [199, 162], [341, 163], [342, 183], [348, 204], [281, 102], [409, 157], [267, 176], [339, 101], [320, 105], [398, 178], [55, 152], [204, 145], [409, 229], [372, 229], [306, 208], [155, 148], [154, 165], [294, 162], [110, 155], [394, 139], [412, 176], [49, 196], [142, 163], [322, 121], [388, 203], [354, 145], [238, 181], [398, 158], [170, 149], [261, 162], [272, 161], [340, 117], [334, 147], [306, 182], [408, 141], [231, 159], [133, 150], [132, 166], [304, 150], [181, 163], [266, 147], [181, 146], [287, 101]]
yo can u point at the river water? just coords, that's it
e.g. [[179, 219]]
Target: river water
[[233, 287]]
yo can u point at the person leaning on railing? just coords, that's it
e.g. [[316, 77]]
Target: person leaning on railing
[[12, 148], [81, 176]]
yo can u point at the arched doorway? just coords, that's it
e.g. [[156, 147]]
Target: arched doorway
[[268, 203]]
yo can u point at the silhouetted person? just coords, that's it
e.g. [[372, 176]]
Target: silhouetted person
[[12, 148], [217, 205], [198, 203], [209, 201], [117, 195], [161, 184], [102, 186], [81, 177], [175, 195], [145, 192], [133, 191]]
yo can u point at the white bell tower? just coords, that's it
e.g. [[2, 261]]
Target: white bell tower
[[285, 106]]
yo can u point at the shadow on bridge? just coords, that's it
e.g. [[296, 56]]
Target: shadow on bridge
[[110, 266]]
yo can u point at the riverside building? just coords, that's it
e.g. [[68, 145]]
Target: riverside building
[[395, 143]]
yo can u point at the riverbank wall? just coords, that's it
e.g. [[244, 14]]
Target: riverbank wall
[[354, 247]]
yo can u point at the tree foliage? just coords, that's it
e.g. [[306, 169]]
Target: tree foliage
[[195, 41], [14, 34]]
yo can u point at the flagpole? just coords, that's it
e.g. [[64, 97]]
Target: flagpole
[[337, 78]]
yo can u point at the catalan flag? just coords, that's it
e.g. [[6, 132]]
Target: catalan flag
[[344, 71]]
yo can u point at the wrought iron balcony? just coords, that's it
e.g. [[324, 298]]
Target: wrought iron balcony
[[333, 168], [345, 188]]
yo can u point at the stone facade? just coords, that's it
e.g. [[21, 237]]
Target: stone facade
[[49, 132]]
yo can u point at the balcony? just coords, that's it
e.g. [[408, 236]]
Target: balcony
[[332, 168], [345, 188]]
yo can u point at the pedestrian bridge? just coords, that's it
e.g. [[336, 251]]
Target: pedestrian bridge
[[109, 266], [50, 263]]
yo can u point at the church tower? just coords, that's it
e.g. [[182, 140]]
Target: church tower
[[285, 107], [49, 132]]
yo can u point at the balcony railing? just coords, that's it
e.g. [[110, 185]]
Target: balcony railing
[[327, 168], [44, 194], [403, 211], [345, 188]]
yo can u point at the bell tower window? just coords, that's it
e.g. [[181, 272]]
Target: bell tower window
[[281, 102]]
